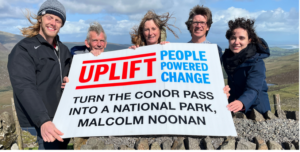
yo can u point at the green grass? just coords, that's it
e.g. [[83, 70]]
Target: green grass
[[281, 65], [289, 96], [35, 148]]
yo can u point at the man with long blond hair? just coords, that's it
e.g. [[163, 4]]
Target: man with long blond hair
[[37, 68]]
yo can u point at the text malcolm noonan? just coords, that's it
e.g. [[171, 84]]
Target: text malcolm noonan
[[161, 119]]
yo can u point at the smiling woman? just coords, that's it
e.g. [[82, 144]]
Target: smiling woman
[[152, 29], [244, 65]]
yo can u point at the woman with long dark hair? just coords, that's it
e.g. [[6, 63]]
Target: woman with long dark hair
[[244, 65]]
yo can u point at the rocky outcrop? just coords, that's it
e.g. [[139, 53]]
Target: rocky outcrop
[[229, 144], [274, 145], [142, 144], [178, 144], [29, 141], [207, 144], [270, 115], [239, 115], [7, 130], [255, 115], [155, 146], [260, 143], [192, 143]]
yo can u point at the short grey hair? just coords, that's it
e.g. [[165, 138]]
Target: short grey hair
[[96, 27]]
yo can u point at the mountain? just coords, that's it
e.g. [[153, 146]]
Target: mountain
[[9, 40], [109, 46], [3, 48]]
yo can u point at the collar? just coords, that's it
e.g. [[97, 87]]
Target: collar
[[42, 40], [204, 42]]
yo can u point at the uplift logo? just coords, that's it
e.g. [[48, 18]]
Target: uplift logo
[[102, 69]]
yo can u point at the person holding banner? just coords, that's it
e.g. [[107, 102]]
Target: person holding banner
[[37, 66], [95, 41], [199, 23], [244, 65], [152, 30]]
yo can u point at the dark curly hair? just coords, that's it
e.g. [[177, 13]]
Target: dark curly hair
[[248, 25]]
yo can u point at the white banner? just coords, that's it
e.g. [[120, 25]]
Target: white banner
[[172, 89]]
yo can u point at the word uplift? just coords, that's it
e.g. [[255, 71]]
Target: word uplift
[[129, 69]]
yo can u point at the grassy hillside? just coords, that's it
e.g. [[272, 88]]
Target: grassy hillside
[[9, 38], [278, 52], [284, 72]]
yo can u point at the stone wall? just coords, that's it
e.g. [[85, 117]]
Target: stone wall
[[268, 131], [261, 132], [8, 136]]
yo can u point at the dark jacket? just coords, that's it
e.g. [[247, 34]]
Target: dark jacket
[[247, 81], [79, 50], [36, 72]]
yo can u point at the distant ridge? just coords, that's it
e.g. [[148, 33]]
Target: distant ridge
[[3, 49], [9, 40], [109, 46]]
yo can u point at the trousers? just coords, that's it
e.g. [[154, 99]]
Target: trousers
[[50, 145]]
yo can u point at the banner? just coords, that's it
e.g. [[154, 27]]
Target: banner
[[172, 89]]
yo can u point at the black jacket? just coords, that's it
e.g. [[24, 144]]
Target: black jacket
[[36, 72], [247, 82]]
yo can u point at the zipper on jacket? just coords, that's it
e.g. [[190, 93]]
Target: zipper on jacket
[[58, 57]]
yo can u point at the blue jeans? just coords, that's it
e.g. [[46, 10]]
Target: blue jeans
[[50, 145]]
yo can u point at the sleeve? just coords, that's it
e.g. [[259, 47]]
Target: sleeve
[[254, 84], [220, 54], [21, 68]]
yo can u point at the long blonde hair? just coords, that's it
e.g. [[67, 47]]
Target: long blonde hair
[[35, 28], [137, 37]]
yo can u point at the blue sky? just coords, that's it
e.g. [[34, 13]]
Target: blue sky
[[277, 21]]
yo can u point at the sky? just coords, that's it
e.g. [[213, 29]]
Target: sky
[[277, 21]]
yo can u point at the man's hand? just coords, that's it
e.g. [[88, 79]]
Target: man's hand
[[235, 106], [96, 52], [134, 47], [65, 80], [50, 133], [226, 90]]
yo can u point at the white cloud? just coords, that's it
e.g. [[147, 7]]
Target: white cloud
[[119, 16], [112, 27], [8, 11], [74, 27], [13, 25], [265, 21], [113, 6], [122, 27]]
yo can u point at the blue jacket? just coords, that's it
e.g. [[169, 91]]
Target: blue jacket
[[79, 50], [248, 84]]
